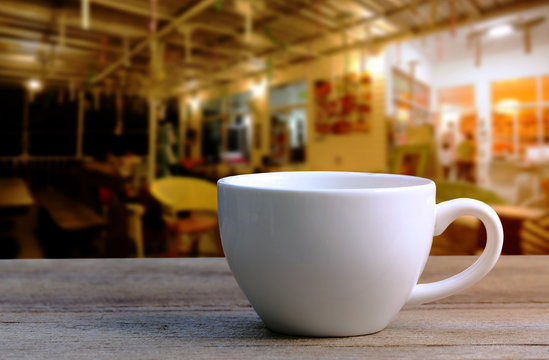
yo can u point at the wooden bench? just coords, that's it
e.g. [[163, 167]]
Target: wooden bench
[[69, 214], [67, 227]]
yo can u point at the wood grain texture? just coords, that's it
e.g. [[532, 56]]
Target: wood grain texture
[[193, 308]]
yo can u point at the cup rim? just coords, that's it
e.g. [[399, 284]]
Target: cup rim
[[406, 182]]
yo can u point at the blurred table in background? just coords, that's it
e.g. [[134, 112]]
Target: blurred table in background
[[14, 193], [15, 202], [512, 217]]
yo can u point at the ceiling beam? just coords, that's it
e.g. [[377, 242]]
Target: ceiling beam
[[142, 45], [25, 74], [370, 5], [444, 25], [45, 15], [473, 7], [405, 35], [38, 37], [132, 8]]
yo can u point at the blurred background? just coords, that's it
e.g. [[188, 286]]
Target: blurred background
[[117, 117]]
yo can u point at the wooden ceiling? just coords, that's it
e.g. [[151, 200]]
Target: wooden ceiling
[[208, 40]]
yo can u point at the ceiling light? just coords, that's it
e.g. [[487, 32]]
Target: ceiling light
[[194, 101], [34, 84], [500, 31], [258, 87]]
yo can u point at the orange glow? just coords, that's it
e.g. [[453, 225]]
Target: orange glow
[[521, 90], [457, 96], [545, 85]]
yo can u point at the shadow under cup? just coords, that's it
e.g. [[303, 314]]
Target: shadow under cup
[[326, 253]]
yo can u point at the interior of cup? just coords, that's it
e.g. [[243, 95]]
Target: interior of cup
[[320, 180]]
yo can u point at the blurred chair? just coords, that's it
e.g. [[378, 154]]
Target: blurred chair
[[534, 233], [464, 236], [135, 226], [189, 208]]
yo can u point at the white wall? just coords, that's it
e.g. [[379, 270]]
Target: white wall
[[399, 56]]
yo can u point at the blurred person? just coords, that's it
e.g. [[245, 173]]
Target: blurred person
[[447, 151], [466, 153], [167, 143]]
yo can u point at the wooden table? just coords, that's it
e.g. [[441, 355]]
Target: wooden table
[[14, 193], [192, 308], [15, 204]]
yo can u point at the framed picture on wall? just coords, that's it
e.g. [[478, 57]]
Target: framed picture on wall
[[343, 105]]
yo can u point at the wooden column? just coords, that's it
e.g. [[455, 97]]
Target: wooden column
[[151, 159], [182, 128], [25, 133], [80, 124]]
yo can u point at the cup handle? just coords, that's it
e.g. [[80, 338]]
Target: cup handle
[[447, 212]]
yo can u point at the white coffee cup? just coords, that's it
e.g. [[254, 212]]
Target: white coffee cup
[[340, 253]]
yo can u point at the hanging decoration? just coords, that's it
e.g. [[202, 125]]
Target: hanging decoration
[[91, 76], [153, 22], [398, 53], [85, 14], [308, 60], [62, 24], [273, 39], [440, 54], [72, 90], [157, 59], [215, 57], [102, 60], [153, 48], [433, 12], [269, 69], [369, 38], [96, 93], [478, 51], [126, 52], [311, 54], [453, 20], [527, 28], [218, 5], [346, 55], [119, 128], [188, 44], [60, 96], [245, 8], [475, 39]]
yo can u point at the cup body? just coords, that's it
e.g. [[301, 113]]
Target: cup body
[[326, 253]]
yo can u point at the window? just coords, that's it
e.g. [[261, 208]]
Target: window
[[288, 114], [135, 119], [520, 120], [12, 100], [238, 134], [52, 124], [545, 109], [51, 121], [212, 123]]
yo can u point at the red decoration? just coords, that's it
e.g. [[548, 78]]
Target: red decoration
[[398, 53], [453, 19], [439, 48], [153, 23], [103, 52]]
